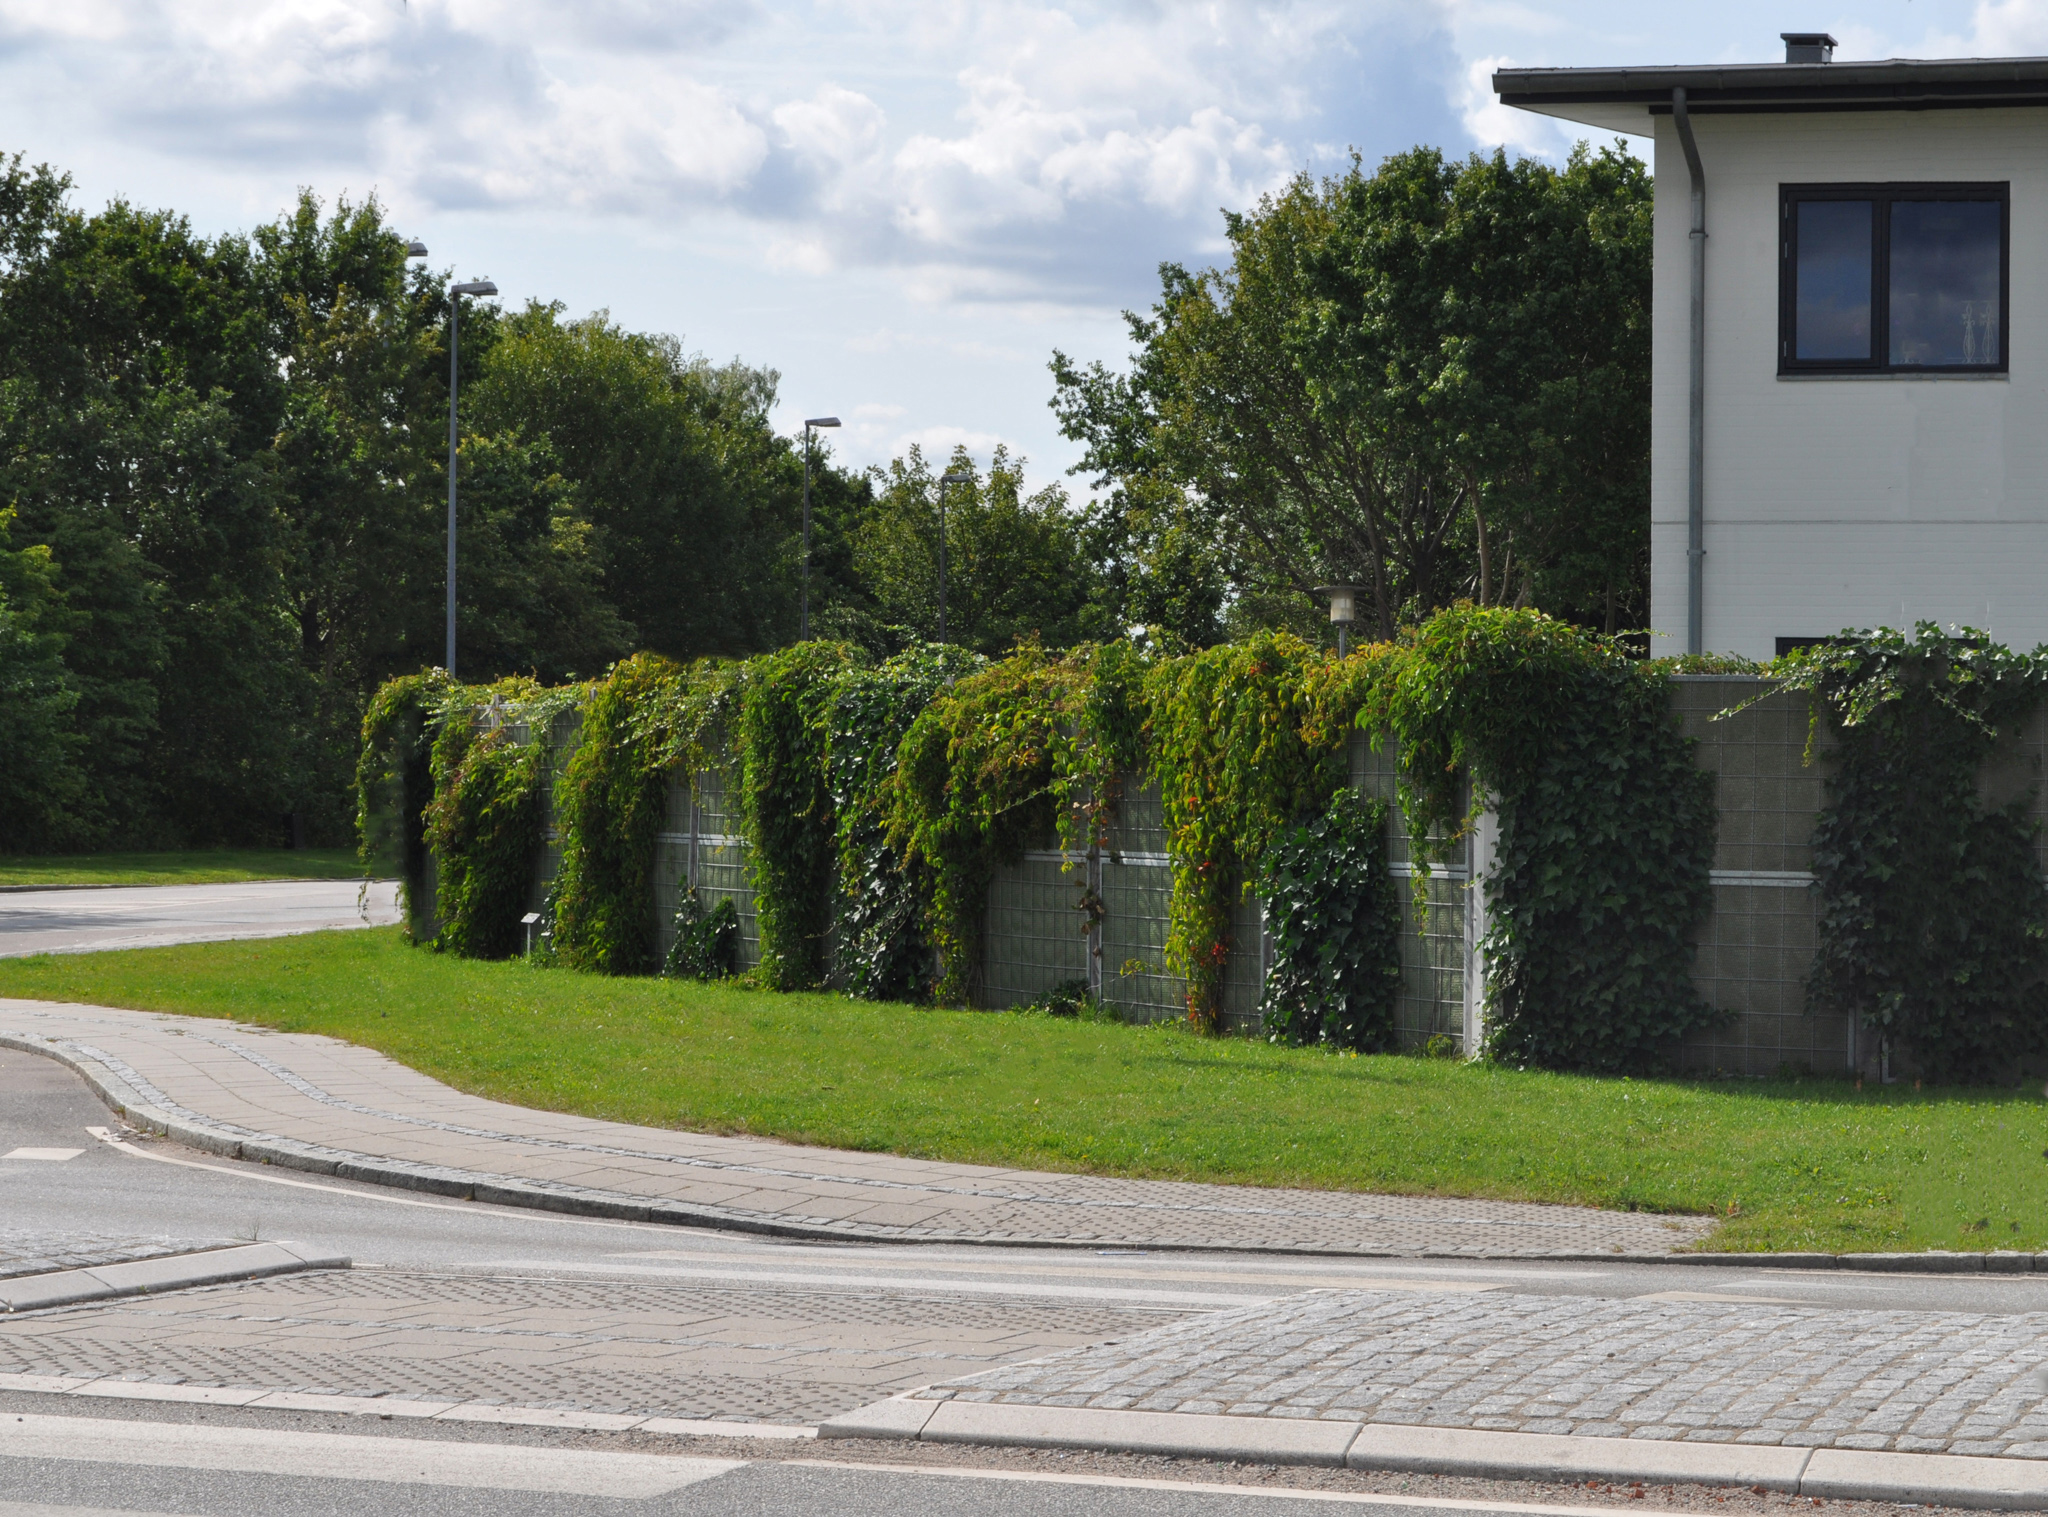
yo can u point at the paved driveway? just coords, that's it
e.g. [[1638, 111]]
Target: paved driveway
[[149, 916]]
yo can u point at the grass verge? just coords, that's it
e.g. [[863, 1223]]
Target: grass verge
[[1788, 1165], [227, 866]]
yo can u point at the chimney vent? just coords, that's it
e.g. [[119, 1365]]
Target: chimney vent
[[1808, 47]]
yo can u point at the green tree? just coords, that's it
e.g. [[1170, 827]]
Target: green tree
[[1431, 380], [1016, 565]]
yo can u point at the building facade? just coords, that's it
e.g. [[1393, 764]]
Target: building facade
[[1872, 348]]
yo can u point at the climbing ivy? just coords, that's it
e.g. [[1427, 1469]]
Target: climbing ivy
[[1932, 908], [1241, 745], [983, 772], [1333, 919], [1606, 827], [884, 946], [394, 783], [609, 804], [484, 823]]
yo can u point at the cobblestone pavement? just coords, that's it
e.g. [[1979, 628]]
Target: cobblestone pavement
[[751, 1354], [1923, 1382], [28, 1251], [331, 1103]]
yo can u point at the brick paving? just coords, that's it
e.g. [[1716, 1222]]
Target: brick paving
[[755, 1353], [336, 1102], [1915, 1382], [32, 1251]]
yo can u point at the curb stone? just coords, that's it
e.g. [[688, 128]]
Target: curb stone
[[386, 1408], [618, 1206], [1929, 1479], [137, 1277]]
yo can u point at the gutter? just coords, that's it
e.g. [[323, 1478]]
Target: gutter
[[1696, 439]]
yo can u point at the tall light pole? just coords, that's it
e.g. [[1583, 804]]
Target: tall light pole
[[945, 480], [455, 294], [804, 633]]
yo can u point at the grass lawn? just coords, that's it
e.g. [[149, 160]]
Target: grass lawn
[[1788, 1165], [226, 866]]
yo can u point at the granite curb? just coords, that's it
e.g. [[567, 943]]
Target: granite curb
[[1927, 1479], [137, 1277], [586, 1201]]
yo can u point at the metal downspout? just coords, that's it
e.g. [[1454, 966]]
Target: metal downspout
[[1696, 441]]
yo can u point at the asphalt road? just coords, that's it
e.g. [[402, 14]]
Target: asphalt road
[[150, 916]]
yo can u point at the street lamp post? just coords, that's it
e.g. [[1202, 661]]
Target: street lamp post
[[815, 421], [945, 480], [455, 294], [1343, 611]]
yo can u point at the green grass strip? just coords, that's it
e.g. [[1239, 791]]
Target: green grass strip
[[230, 866], [1806, 1164]]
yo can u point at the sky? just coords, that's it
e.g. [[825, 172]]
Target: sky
[[903, 206]]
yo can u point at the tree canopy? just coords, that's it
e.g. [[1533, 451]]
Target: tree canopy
[[1431, 380]]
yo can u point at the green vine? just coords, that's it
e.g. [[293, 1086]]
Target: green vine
[[1606, 827], [1334, 921], [609, 804], [983, 772], [783, 741], [1933, 908], [395, 784], [884, 946], [484, 824], [1241, 746]]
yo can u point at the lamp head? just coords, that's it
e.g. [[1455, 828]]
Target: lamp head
[[415, 249], [1343, 603], [822, 421], [474, 287], [956, 479]]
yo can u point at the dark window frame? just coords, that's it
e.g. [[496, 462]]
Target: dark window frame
[[1882, 197]]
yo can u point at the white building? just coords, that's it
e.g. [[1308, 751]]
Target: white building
[[1869, 379]]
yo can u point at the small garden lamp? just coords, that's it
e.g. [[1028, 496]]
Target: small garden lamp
[[804, 629], [1343, 611], [945, 480], [455, 294]]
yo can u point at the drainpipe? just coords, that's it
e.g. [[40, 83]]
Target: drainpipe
[[1696, 441]]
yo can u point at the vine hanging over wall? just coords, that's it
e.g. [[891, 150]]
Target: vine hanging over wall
[[988, 768], [1242, 743], [609, 804], [884, 946], [783, 741], [394, 783], [1334, 920], [1606, 827], [1933, 908]]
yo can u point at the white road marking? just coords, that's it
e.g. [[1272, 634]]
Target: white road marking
[[47, 1155], [353, 1456], [1261, 1492]]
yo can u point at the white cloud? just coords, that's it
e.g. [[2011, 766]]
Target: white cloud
[[1495, 125]]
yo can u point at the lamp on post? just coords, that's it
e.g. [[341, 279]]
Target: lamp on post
[[804, 631], [455, 294], [945, 480], [1343, 611]]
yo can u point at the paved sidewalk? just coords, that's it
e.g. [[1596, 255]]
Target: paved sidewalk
[[153, 916], [318, 1104], [1685, 1371]]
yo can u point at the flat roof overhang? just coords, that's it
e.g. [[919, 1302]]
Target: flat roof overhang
[[1624, 99]]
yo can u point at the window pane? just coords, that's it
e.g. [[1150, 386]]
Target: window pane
[[1945, 281], [1833, 315]]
